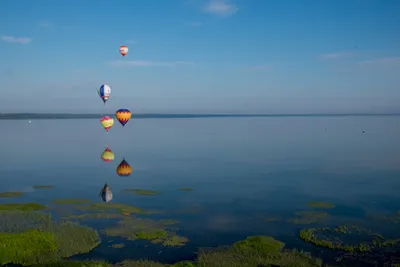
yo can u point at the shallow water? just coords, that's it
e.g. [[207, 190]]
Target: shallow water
[[242, 170]]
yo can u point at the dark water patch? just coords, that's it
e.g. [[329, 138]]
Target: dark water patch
[[186, 189], [348, 211], [320, 205]]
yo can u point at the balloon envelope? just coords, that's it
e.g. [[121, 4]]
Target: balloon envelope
[[104, 92], [124, 169], [123, 49], [107, 122], [123, 116], [107, 155]]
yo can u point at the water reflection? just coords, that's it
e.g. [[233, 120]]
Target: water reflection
[[107, 155], [106, 193], [124, 169]]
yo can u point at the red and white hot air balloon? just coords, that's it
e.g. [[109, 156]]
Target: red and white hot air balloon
[[123, 50]]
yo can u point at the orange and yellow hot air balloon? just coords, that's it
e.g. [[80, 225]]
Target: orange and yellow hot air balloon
[[124, 169], [123, 116], [107, 155], [107, 122], [123, 49]]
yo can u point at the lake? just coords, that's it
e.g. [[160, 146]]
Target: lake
[[244, 171]]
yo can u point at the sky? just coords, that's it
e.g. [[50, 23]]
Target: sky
[[201, 56]]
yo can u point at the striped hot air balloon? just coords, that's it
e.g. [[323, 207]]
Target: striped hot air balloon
[[124, 169], [123, 49], [123, 116], [107, 122], [107, 155], [104, 92]]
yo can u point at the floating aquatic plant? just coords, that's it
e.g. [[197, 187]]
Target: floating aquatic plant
[[157, 231], [120, 245], [42, 241], [122, 208], [71, 201], [186, 189], [330, 238], [142, 192], [320, 205], [308, 217], [43, 186], [11, 194], [22, 207]]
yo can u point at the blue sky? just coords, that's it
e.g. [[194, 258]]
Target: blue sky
[[248, 56]]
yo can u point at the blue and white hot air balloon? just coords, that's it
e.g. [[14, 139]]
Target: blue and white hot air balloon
[[104, 92], [106, 194]]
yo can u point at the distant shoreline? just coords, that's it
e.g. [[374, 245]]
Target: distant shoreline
[[37, 116]]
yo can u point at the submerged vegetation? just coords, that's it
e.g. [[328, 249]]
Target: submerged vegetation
[[186, 189], [142, 192], [308, 217], [122, 208], [320, 205], [333, 238], [120, 245], [156, 231], [11, 194], [43, 186]]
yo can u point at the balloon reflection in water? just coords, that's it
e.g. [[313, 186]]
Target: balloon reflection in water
[[107, 155], [106, 193], [124, 169]]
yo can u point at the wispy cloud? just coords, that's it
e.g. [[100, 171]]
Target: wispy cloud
[[382, 61], [337, 55], [194, 23], [45, 24], [14, 39], [148, 63], [220, 8]]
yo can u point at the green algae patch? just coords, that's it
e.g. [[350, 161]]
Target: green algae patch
[[348, 238], [23, 248], [71, 201], [122, 208], [75, 239], [140, 263], [141, 192], [186, 189], [20, 221], [74, 264], [11, 194], [91, 216], [31, 237], [120, 245], [320, 205], [156, 231], [255, 251], [308, 217], [43, 186], [259, 243], [21, 207], [175, 241]]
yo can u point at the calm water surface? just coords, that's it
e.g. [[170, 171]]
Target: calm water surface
[[241, 170]]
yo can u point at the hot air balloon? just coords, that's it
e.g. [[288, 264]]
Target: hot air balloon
[[106, 193], [107, 155], [123, 116], [123, 50], [104, 92], [124, 169], [107, 122]]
